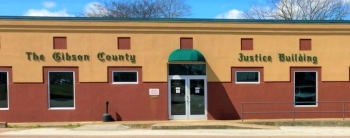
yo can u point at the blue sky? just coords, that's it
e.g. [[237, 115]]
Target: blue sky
[[200, 8]]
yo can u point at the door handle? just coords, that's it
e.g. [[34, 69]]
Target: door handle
[[187, 98]]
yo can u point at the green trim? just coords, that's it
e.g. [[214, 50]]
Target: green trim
[[191, 55], [184, 20]]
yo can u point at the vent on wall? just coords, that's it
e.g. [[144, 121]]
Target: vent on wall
[[305, 44], [186, 43], [60, 42], [246, 43], [124, 43]]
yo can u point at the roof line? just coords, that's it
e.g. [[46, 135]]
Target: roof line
[[190, 20]]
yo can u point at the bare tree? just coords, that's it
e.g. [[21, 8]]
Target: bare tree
[[300, 10], [140, 9]]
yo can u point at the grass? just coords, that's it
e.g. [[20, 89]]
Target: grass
[[72, 126], [37, 126], [17, 126], [139, 126], [13, 126]]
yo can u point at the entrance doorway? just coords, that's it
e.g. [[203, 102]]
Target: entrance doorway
[[187, 96]]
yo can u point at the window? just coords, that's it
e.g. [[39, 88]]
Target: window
[[305, 84], [59, 42], [61, 90], [247, 44], [3, 90], [247, 77], [123, 42], [187, 69], [305, 44], [125, 77], [186, 43]]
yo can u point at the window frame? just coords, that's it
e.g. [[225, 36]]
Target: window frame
[[316, 99], [171, 74], [137, 77], [48, 91], [247, 82], [8, 91]]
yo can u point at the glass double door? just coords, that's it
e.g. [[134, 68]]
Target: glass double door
[[187, 97]]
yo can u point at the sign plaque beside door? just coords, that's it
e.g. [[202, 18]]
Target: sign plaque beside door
[[154, 92]]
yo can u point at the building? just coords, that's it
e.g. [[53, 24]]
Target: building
[[66, 69]]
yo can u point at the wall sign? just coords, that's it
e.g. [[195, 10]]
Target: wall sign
[[177, 89], [197, 89], [254, 58], [60, 56], [153, 92], [282, 58]]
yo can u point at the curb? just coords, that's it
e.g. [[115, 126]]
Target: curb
[[324, 123], [158, 127], [164, 127]]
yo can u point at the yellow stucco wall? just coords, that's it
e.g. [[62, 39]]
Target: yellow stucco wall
[[152, 43]]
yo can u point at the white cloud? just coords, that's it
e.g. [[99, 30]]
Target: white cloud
[[232, 14], [95, 9], [91, 5], [44, 12], [49, 4], [348, 1]]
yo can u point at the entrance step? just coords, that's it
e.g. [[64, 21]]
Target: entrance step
[[209, 125]]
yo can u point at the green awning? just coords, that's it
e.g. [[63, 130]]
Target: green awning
[[186, 55]]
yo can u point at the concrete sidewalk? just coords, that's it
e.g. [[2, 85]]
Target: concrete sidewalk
[[209, 124], [155, 125], [194, 124], [89, 131], [191, 128]]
